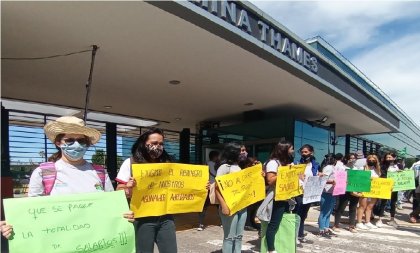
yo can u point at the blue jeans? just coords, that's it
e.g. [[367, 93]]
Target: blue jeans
[[327, 205], [233, 229], [159, 230]]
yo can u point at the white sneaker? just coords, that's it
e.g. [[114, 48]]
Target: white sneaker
[[379, 224], [370, 225], [361, 226]]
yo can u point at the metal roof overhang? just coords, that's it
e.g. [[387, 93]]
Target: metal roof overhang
[[143, 47]]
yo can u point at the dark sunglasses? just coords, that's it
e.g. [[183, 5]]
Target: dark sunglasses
[[71, 141]]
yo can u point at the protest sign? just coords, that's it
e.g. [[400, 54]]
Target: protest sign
[[287, 183], [403, 180], [340, 182], [380, 188], [358, 181], [91, 222], [168, 188], [243, 188], [312, 191]]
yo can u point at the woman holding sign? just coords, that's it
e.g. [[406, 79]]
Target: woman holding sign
[[388, 165], [149, 230], [282, 155], [327, 199], [366, 204], [312, 169], [233, 224], [68, 172]]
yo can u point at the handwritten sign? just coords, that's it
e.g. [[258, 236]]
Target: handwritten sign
[[168, 188], [312, 191], [358, 181], [403, 180], [380, 188], [287, 183], [340, 182], [90, 222], [243, 188]]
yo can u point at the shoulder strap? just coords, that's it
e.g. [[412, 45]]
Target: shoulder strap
[[100, 170], [49, 174]]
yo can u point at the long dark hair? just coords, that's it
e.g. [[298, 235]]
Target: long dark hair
[[230, 154], [281, 152], [139, 151], [329, 159]]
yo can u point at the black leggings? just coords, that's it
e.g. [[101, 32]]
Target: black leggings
[[342, 203], [394, 199]]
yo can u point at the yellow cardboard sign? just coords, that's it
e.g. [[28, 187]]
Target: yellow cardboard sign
[[243, 188], [168, 188], [380, 188], [287, 183]]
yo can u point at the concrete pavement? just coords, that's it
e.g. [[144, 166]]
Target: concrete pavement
[[406, 238]]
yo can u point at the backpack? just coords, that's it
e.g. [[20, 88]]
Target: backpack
[[49, 174]]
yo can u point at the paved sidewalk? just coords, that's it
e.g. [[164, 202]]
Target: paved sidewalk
[[387, 239]]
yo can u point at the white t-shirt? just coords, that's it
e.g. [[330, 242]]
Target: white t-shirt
[[340, 166], [373, 173], [227, 169], [328, 172], [70, 179], [393, 168], [360, 163], [124, 173], [272, 166]]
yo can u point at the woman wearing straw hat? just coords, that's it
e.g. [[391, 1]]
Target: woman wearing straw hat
[[72, 173]]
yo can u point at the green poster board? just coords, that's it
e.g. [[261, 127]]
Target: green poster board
[[90, 222], [403, 180], [358, 181], [285, 239]]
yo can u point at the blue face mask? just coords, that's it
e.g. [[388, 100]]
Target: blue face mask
[[75, 151]]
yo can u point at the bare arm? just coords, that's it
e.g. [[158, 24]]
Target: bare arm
[[271, 178]]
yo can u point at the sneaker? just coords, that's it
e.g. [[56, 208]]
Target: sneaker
[[379, 224], [324, 234], [361, 226], [370, 225], [298, 244], [304, 240], [393, 223], [200, 227]]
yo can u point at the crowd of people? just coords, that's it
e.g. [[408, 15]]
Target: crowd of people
[[69, 173]]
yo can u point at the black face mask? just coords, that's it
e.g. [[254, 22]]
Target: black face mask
[[371, 163], [306, 157]]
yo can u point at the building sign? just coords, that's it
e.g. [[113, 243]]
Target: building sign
[[256, 26]]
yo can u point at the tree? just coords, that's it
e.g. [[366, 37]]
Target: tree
[[99, 157]]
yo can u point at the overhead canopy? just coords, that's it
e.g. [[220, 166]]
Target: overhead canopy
[[143, 48]]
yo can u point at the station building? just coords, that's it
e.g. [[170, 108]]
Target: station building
[[207, 72]]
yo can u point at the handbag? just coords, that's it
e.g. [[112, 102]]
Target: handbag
[[266, 208]]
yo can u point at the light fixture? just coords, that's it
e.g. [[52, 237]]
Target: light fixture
[[107, 107], [177, 119], [174, 82]]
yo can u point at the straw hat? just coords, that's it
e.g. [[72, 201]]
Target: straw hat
[[70, 125]]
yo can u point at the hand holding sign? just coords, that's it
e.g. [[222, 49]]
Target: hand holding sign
[[70, 223], [241, 189], [287, 183], [168, 188]]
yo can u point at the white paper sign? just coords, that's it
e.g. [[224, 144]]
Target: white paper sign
[[313, 188]]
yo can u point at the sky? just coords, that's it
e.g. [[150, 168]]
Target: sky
[[381, 38]]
